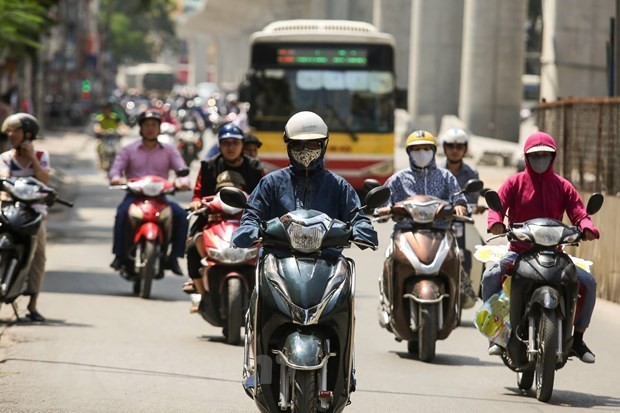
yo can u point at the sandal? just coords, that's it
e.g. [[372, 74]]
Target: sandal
[[35, 316]]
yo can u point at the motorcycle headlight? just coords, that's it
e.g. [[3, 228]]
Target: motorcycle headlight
[[547, 236], [149, 188], [231, 255], [305, 239], [422, 213], [26, 191]]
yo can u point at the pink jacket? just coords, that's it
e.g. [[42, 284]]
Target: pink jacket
[[528, 195]]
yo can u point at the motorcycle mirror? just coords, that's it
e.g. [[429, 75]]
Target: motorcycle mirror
[[377, 197], [483, 191], [595, 203], [370, 184], [183, 172], [493, 201], [473, 186], [233, 197]]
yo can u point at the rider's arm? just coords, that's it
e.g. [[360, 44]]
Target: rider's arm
[[178, 164], [577, 213], [362, 227], [506, 195], [247, 233], [41, 166], [119, 166]]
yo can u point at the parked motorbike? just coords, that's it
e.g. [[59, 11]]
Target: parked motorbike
[[227, 272], [299, 332], [189, 141], [543, 298], [109, 146], [20, 220], [420, 299], [150, 218]]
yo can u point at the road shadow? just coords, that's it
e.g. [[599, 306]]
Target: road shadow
[[98, 282], [219, 339], [448, 360], [564, 398]]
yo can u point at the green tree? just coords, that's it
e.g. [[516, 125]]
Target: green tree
[[137, 30], [22, 24]]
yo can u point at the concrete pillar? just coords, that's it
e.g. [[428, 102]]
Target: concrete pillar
[[573, 60], [434, 61], [493, 53], [396, 20]]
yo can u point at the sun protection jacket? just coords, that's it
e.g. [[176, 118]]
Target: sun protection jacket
[[528, 195], [430, 180], [291, 188]]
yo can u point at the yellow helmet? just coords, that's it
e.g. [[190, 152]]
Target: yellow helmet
[[420, 137]]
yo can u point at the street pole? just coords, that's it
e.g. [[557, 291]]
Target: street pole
[[616, 51]]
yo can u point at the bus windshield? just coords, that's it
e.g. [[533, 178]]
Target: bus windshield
[[348, 100]]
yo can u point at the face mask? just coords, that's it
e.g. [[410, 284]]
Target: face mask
[[421, 158], [540, 164], [305, 156]]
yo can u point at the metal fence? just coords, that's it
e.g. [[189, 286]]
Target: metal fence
[[587, 132]]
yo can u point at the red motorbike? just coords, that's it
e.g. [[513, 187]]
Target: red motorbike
[[228, 273], [150, 218]]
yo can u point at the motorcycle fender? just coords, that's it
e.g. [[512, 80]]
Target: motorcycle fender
[[232, 274], [149, 231], [546, 297], [302, 352], [426, 290]]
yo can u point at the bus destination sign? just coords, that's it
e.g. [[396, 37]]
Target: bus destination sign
[[322, 56]]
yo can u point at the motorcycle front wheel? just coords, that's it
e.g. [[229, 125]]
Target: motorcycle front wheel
[[305, 392], [427, 332], [147, 271], [234, 314], [547, 337]]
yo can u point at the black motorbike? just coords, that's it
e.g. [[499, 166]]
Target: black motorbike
[[20, 220], [543, 298], [299, 329]]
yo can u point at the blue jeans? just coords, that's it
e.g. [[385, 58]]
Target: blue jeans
[[491, 284], [177, 238]]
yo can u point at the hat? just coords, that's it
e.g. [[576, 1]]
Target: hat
[[305, 126], [540, 148], [229, 179], [248, 139]]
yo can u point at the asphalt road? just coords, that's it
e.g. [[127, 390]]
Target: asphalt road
[[104, 350]]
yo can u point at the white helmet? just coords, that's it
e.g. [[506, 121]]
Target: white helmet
[[455, 135]]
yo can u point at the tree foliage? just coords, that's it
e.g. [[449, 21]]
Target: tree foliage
[[22, 24], [137, 30]]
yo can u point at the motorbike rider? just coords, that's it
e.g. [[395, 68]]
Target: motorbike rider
[[24, 160], [538, 192], [424, 177], [148, 156], [251, 145], [304, 184], [455, 143], [107, 121], [231, 158]]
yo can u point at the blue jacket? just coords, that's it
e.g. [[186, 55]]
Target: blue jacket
[[288, 189]]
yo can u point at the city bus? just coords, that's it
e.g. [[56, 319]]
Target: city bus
[[147, 78], [343, 71]]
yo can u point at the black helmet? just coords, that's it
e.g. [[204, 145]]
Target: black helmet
[[26, 122], [252, 139], [149, 114]]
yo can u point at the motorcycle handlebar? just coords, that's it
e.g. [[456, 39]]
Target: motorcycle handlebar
[[63, 202]]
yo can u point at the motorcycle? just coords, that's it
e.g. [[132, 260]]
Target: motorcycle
[[420, 299], [189, 141], [543, 298], [20, 221], [298, 353], [150, 218], [227, 272], [167, 134], [109, 146]]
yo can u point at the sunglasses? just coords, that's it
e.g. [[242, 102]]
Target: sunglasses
[[310, 145], [454, 145]]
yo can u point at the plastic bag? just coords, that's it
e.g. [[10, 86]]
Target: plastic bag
[[493, 318]]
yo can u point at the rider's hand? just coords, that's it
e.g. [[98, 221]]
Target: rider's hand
[[588, 235], [27, 150], [497, 228], [460, 210], [194, 205], [117, 180], [379, 212]]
